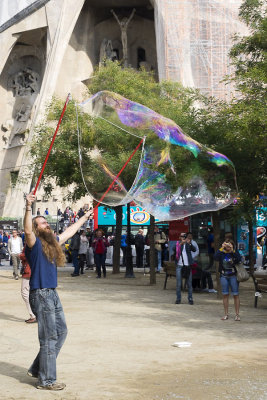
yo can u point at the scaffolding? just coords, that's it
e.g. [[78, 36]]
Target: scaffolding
[[197, 39]]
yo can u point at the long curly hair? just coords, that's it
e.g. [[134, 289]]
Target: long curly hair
[[50, 246]]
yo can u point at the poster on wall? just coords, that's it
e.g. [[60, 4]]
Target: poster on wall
[[243, 241], [107, 216], [261, 216]]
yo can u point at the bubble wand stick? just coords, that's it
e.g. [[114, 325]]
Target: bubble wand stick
[[52, 142]]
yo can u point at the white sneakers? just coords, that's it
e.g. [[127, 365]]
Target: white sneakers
[[209, 290]]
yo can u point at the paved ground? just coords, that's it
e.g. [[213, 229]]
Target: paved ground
[[120, 343]]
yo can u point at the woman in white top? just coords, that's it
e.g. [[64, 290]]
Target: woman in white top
[[84, 244]]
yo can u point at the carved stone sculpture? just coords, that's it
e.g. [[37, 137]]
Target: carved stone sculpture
[[106, 51], [25, 86], [25, 83], [123, 23]]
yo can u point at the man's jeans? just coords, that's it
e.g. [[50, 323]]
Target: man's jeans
[[179, 284], [52, 332], [158, 259], [139, 256], [75, 262]]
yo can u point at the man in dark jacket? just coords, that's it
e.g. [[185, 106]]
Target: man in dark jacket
[[184, 260], [74, 247], [139, 247]]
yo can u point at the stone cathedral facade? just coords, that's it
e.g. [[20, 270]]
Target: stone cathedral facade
[[51, 47]]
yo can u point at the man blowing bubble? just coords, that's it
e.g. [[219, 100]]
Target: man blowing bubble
[[44, 254]]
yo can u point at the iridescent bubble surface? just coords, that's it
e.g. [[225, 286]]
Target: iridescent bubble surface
[[172, 176]]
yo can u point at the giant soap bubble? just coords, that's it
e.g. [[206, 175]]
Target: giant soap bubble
[[171, 177]]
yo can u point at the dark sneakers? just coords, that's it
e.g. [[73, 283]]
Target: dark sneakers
[[53, 386], [189, 302], [32, 374]]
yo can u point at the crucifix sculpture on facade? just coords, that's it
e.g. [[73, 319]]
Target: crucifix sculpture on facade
[[123, 23]]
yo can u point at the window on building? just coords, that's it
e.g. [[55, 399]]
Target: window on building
[[141, 56], [14, 178]]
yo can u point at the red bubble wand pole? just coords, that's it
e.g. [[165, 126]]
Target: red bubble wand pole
[[52, 142]]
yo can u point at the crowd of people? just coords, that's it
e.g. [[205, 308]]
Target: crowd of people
[[68, 216]]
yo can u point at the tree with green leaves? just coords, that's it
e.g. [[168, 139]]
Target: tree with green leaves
[[238, 128]]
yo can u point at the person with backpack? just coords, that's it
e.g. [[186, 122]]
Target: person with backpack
[[160, 239]]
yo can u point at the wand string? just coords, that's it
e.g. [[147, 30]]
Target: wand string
[[52, 142], [51, 145], [114, 180], [124, 166]]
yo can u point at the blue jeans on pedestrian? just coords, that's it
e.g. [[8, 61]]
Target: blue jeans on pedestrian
[[75, 261], [179, 284], [229, 282], [158, 259], [52, 332]]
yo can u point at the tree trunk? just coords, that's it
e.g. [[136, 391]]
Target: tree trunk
[[117, 241], [129, 259], [250, 247], [152, 250], [216, 232]]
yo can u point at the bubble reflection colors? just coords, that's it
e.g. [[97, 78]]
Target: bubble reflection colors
[[173, 177]]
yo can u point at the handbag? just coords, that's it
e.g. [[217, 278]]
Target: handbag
[[242, 274], [186, 269]]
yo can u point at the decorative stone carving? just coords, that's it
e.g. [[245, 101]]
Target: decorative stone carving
[[25, 86], [25, 83]]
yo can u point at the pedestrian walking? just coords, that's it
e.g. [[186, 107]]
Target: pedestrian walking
[[15, 247]]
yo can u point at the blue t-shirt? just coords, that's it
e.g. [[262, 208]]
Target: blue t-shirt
[[123, 241], [43, 272], [210, 240], [5, 239]]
